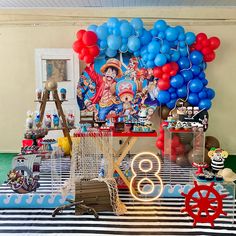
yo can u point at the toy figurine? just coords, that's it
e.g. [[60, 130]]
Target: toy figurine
[[189, 112], [37, 119], [38, 94], [29, 120], [48, 121], [63, 93], [55, 120], [217, 156], [71, 119]]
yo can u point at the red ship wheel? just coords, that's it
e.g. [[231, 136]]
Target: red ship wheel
[[204, 204]]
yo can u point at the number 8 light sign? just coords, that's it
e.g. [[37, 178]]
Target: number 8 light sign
[[145, 168]]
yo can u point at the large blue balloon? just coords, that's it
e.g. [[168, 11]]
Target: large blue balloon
[[196, 57], [184, 63], [134, 43], [150, 64], [92, 28], [196, 70], [171, 90], [114, 42], [193, 99], [154, 47], [195, 85], [146, 37], [210, 93], [116, 31], [110, 53], [177, 81], [160, 25], [113, 22], [163, 97], [182, 92], [126, 29], [187, 75], [102, 32], [205, 104], [151, 56], [160, 60], [171, 34], [171, 103], [173, 95], [202, 94], [103, 44], [180, 29], [190, 38], [154, 32], [124, 48], [137, 23]]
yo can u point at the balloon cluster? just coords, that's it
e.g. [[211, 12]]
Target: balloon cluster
[[86, 46], [206, 46]]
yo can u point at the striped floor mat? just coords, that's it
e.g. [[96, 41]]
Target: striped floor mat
[[162, 217]]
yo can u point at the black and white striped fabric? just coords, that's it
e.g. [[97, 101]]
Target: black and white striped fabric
[[163, 217]]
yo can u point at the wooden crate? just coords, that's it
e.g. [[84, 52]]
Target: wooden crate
[[94, 194]]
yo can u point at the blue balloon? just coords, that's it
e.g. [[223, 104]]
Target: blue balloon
[[114, 42], [177, 81], [190, 38], [154, 32], [202, 75], [116, 31], [137, 53], [183, 51], [124, 48], [171, 90], [203, 65], [165, 48], [160, 25], [180, 29], [202, 94], [171, 103], [183, 63], [113, 22], [182, 44], [195, 85], [181, 37], [124, 40], [126, 29], [210, 93], [196, 70], [150, 64], [134, 43], [182, 92], [175, 55], [187, 75], [204, 82], [92, 28], [154, 47], [193, 99], [145, 57], [151, 56], [146, 37], [205, 104], [173, 95], [110, 53], [171, 34], [102, 32], [160, 60], [163, 97], [103, 44], [161, 35], [196, 57], [137, 23]]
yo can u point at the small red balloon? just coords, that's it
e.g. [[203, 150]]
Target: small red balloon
[[94, 50], [209, 57], [165, 76], [80, 34], [198, 46], [163, 84], [76, 46], [88, 59], [174, 66], [89, 38], [160, 144], [214, 42], [157, 72], [166, 68], [200, 37], [205, 42], [81, 57], [84, 51], [206, 51]]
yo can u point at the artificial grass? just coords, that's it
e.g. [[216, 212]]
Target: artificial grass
[[5, 165]]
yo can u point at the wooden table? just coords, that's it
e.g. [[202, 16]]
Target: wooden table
[[118, 155]]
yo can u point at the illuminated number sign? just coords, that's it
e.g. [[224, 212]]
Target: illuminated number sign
[[145, 167]]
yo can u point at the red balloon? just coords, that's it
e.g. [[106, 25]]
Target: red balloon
[[198, 46], [166, 68], [214, 42], [76, 46], [89, 38], [94, 50], [88, 59], [163, 84], [160, 144], [161, 136], [80, 34], [209, 57], [200, 37], [81, 57], [205, 42], [174, 66], [165, 76], [206, 51], [84, 51], [157, 72], [179, 149]]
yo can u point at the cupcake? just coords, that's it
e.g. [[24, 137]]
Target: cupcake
[[63, 93], [209, 177]]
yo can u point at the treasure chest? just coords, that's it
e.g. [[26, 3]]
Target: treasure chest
[[94, 193]]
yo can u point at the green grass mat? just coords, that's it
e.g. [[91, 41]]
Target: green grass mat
[[5, 165]]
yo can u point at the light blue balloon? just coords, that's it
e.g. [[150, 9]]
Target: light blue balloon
[[145, 57], [177, 81], [195, 85], [134, 43], [180, 29], [143, 50], [116, 31], [183, 51], [137, 23], [165, 48], [150, 64], [114, 42], [190, 38], [154, 47], [205, 104], [124, 48], [124, 40], [175, 55], [160, 60], [154, 32], [160, 25], [126, 29], [181, 37], [110, 53], [92, 28], [163, 97], [103, 44], [193, 99], [139, 32], [171, 34], [102, 32], [113, 22], [137, 53], [146, 37], [161, 35], [151, 56], [182, 44]]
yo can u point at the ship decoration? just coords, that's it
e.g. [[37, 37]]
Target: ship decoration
[[24, 176]]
